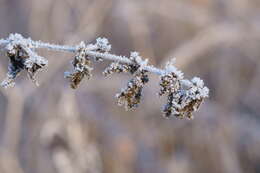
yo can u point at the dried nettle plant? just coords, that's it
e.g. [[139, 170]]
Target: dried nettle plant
[[183, 96]]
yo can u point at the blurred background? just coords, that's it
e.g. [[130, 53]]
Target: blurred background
[[54, 129]]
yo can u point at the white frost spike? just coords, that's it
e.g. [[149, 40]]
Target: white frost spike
[[103, 44], [134, 56], [198, 82], [198, 91], [81, 45], [204, 92], [170, 68], [15, 37]]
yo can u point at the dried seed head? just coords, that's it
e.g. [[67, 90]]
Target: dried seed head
[[169, 83], [17, 58], [22, 57], [81, 67], [183, 102], [183, 96], [170, 80], [130, 97]]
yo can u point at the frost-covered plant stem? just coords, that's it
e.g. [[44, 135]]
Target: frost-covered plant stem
[[184, 96], [91, 52]]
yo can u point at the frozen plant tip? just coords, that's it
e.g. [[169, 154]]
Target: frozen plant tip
[[183, 96]]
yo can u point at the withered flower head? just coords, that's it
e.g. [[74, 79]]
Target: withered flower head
[[130, 97], [22, 57], [81, 67], [183, 96], [187, 99], [169, 83]]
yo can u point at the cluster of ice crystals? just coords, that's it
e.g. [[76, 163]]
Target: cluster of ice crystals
[[22, 57], [198, 90], [170, 68], [103, 44], [134, 56], [81, 67], [116, 67], [137, 65]]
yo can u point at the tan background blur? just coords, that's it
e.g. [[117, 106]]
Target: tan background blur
[[53, 129]]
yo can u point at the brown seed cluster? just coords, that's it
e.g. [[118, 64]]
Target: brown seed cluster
[[183, 96], [81, 63], [130, 97], [169, 84], [81, 68]]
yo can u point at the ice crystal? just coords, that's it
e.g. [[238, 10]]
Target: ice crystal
[[103, 44], [116, 67]]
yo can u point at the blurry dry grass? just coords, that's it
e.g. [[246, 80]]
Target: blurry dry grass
[[52, 129]]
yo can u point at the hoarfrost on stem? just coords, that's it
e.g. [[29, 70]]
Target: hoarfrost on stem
[[184, 96]]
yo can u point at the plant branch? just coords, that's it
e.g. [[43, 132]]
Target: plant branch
[[184, 96]]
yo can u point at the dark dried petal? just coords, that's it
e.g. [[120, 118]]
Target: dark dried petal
[[75, 79]]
